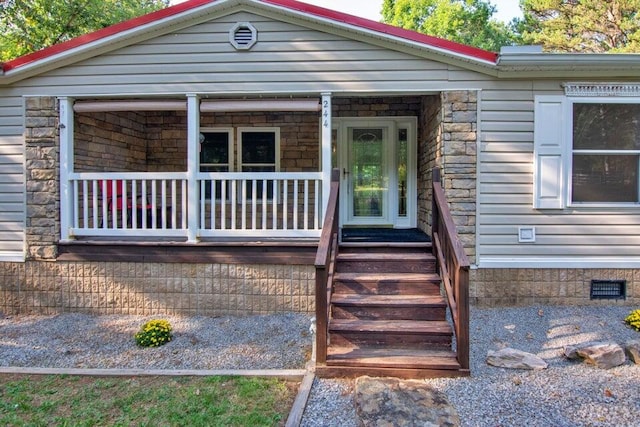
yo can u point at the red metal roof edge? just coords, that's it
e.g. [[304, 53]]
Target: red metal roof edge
[[380, 27], [333, 15], [103, 33]]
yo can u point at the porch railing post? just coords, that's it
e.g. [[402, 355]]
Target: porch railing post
[[435, 214], [193, 131], [326, 150], [66, 167]]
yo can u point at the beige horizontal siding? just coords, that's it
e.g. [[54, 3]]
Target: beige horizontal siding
[[287, 58], [505, 194], [12, 190]]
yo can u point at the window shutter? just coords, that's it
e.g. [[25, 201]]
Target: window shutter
[[549, 144]]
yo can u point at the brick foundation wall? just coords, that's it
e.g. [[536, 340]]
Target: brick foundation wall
[[153, 288], [527, 286]]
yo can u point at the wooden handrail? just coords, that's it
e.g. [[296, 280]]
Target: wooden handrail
[[453, 266], [325, 262]]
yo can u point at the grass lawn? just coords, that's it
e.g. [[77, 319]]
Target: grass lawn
[[63, 400]]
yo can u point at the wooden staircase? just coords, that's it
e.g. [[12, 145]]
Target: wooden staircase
[[387, 315], [392, 309]]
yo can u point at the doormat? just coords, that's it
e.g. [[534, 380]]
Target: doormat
[[353, 235]]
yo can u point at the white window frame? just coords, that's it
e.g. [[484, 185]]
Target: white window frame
[[568, 179], [231, 142], [231, 160]]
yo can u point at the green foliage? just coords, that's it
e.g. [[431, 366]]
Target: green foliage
[[582, 25], [154, 333], [30, 25], [633, 319], [464, 21], [143, 401]]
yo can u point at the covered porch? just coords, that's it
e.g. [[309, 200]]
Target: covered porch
[[194, 169], [199, 169]]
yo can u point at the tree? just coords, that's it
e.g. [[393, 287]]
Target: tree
[[582, 25], [30, 25], [464, 21]]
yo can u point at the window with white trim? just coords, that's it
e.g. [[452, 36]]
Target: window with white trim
[[587, 147], [216, 155], [259, 151], [605, 153]]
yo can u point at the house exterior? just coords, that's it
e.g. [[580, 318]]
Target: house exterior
[[180, 161]]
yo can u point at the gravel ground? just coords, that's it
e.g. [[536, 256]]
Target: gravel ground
[[566, 394], [84, 341]]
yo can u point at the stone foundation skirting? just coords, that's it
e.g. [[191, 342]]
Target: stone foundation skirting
[[526, 286], [42, 287]]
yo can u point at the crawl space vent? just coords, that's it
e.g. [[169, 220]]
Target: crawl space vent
[[608, 289], [243, 36]]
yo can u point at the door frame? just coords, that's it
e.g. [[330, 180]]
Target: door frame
[[393, 123]]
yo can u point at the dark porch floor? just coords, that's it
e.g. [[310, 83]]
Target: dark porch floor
[[365, 235]]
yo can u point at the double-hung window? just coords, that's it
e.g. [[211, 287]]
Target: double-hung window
[[605, 152], [216, 155], [259, 151], [587, 148]]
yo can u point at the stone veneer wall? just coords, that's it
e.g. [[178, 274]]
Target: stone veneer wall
[[560, 286], [42, 177], [448, 140]]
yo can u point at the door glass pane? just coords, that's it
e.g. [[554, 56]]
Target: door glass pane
[[603, 178], [402, 172], [368, 178]]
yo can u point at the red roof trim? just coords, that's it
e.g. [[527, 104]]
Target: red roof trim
[[379, 27], [333, 15], [103, 33]]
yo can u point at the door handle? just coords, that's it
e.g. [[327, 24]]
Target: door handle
[[345, 173]]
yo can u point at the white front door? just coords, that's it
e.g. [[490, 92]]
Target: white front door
[[377, 161]]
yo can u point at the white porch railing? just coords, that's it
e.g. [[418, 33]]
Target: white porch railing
[[270, 204], [128, 204], [267, 204]]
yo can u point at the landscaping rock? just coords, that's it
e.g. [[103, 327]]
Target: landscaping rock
[[515, 359], [633, 350], [603, 355], [387, 402]]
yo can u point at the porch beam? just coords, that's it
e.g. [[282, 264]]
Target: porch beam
[[193, 133], [326, 149], [248, 105], [132, 105], [66, 166]]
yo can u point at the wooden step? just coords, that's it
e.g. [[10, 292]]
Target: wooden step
[[336, 371], [387, 283], [387, 247], [392, 358], [391, 307], [410, 334], [384, 262]]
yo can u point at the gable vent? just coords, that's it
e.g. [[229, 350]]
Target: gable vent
[[243, 36]]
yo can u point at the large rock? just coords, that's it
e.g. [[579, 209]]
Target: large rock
[[633, 350], [515, 359], [603, 355], [390, 402]]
